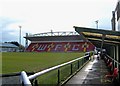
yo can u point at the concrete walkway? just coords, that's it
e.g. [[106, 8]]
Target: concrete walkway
[[92, 74]]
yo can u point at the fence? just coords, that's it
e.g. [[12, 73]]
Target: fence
[[56, 75], [115, 64], [12, 78], [113, 59]]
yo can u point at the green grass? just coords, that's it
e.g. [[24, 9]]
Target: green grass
[[27, 61]]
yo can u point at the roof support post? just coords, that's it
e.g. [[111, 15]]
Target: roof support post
[[103, 37], [113, 21]]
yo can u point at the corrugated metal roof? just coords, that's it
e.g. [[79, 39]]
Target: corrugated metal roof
[[112, 37], [8, 45]]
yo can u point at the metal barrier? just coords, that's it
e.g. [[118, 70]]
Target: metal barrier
[[114, 70], [113, 59], [12, 78], [54, 34], [80, 62]]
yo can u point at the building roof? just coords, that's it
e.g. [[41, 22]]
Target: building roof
[[67, 33], [112, 37], [8, 45], [55, 36]]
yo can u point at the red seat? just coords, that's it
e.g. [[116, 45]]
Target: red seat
[[113, 75], [110, 67]]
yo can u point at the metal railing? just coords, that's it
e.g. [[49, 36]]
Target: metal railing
[[113, 59], [78, 63], [54, 34], [115, 64]]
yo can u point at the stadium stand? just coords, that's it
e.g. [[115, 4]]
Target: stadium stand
[[58, 43], [7, 47], [60, 47]]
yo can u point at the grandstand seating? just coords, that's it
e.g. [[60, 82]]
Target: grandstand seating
[[60, 47]]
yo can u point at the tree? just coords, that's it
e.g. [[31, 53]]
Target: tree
[[15, 43], [21, 47]]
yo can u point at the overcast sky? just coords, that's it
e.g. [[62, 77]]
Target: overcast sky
[[38, 16]]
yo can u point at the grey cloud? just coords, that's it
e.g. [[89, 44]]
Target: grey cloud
[[7, 36], [6, 31], [4, 22]]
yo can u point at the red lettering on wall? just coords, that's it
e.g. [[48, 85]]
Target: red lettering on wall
[[61, 47]]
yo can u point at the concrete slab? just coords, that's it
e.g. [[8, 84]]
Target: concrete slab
[[92, 74], [81, 76]]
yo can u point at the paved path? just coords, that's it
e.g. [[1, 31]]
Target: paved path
[[14, 80], [92, 74]]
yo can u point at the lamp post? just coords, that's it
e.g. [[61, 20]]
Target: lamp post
[[20, 35], [96, 24], [20, 39]]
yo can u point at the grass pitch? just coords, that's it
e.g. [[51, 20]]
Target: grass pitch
[[27, 61]]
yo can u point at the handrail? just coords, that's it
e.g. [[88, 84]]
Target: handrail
[[26, 79], [15, 74], [113, 59], [53, 68]]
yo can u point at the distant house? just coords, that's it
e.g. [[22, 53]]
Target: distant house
[[7, 47]]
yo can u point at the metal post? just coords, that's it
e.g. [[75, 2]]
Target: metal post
[[51, 32], [115, 56], [20, 38], [119, 60], [58, 76], [103, 37], [26, 42], [71, 69], [20, 35], [81, 61], [96, 24], [25, 79], [113, 21], [78, 64]]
